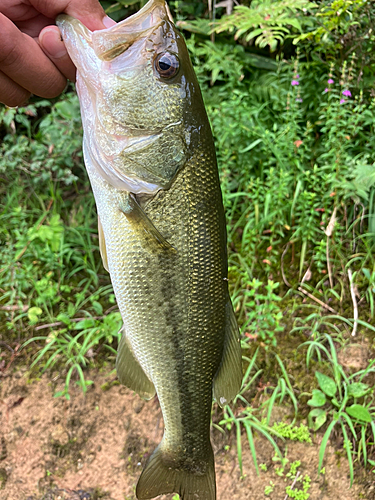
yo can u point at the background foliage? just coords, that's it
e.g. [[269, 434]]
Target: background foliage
[[289, 89]]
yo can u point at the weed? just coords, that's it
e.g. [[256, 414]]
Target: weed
[[269, 489], [247, 420], [283, 388], [300, 494], [342, 400], [77, 349], [260, 305], [299, 433]]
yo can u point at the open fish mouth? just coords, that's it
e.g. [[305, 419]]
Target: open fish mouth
[[112, 42]]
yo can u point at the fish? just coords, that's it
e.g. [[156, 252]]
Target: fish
[[150, 157]]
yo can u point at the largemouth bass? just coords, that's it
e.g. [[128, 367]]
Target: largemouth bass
[[150, 157]]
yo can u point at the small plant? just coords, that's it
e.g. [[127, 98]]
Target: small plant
[[263, 313], [294, 475], [283, 461], [298, 494], [269, 489], [299, 433], [246, 419], [344, 400], [293, 469], [76, 350], [280, 391]]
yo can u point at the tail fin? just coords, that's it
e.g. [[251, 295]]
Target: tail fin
[[161, 476]]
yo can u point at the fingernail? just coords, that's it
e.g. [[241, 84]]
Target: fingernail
[[108, 22], [52, 43]]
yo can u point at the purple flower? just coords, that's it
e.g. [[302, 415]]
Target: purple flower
[[347, 93], [299, 99], [295, 82], [297, 76], [326, 89], [342, 101], [330, 81]]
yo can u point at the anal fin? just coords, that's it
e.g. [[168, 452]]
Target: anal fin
[[130, 372], [228, 379], [102, 247]]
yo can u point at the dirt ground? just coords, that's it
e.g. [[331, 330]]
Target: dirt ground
[[95, 446]]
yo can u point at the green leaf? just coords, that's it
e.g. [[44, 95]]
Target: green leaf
[[33, 314], [64, 318], [316, 418], [85, 323], [98, 308], [348, 452], [58, 394], [250, 146], [327, 384], [323, 446], [199, 26], [357, 389], [318, 398], [359, 412], [367, 273]]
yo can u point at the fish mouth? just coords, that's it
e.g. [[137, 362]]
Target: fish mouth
[[112, 42]]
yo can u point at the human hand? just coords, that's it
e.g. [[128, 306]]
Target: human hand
[[33, 58]]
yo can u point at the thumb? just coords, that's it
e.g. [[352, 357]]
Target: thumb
[[52, 45]]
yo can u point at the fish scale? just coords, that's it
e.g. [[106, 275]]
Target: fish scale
[[149, 153]]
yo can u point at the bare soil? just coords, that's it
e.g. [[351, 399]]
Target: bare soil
[[94, 446]]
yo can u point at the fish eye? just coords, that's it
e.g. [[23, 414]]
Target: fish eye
[[167, 65]]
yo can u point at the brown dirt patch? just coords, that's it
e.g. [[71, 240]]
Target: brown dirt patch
[[95, 446]]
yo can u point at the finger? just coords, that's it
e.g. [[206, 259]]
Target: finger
[[23, 61], [11, 93], [53, 46], [34, 26], [89, 12]]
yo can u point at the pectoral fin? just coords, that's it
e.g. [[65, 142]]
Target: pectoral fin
[[130, 372], [102, 247], [228, 379], [139, 220]]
